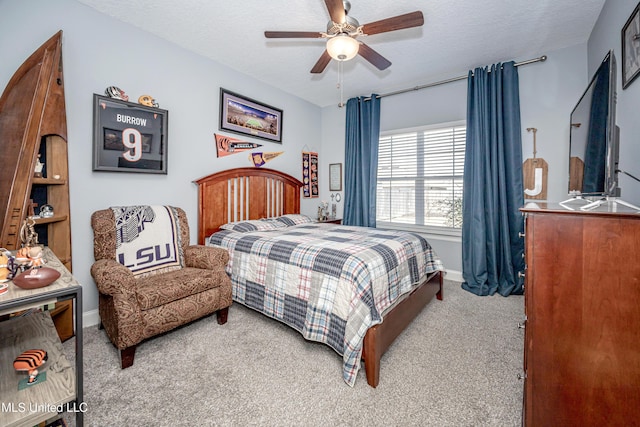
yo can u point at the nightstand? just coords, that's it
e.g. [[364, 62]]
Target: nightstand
[[331, 221]]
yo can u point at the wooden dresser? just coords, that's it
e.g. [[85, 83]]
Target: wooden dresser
[[582, 307]]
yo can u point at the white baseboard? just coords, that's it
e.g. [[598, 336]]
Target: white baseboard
[[454, 275], [90, 318]]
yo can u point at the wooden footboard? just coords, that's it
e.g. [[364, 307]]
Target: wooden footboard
[[380, 337]]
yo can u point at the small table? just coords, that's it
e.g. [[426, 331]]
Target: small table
[[331, 221], [62, 387]]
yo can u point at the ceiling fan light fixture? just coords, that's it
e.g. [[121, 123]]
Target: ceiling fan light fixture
[[342, 47]]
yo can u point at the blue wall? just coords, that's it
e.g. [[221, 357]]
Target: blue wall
[[99, 51]]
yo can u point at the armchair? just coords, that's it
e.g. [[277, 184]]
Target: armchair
[[134, 307]]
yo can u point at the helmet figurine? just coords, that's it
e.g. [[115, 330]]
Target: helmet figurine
[[116, 93], [148, 101], [30, 361]]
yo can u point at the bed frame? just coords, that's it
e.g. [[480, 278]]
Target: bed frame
[[254, 193]]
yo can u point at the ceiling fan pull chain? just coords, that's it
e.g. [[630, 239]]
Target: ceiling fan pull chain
[[341, 104]]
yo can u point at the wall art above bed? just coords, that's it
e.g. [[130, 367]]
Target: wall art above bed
[[249, 117]]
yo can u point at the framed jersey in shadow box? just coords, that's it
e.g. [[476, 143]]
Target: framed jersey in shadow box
[[128, 137]]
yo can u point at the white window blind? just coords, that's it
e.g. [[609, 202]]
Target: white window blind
[[420, 176]]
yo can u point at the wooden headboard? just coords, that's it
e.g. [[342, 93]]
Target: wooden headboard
[[242, 194]]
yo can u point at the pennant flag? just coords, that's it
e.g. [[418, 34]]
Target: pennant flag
[[226, 145], [310, 174], [259, 158]]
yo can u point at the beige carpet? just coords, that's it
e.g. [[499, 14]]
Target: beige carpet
[[456, 365]]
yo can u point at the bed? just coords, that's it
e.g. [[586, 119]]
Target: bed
[[274, 252]]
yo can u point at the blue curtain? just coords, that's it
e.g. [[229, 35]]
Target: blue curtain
[[493, 191], [361, 161]]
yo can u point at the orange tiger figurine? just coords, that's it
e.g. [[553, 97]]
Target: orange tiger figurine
[[30, 361]]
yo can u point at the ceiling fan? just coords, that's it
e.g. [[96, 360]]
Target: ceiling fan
[[343, 30]]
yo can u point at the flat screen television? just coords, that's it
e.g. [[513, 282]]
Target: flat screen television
[[594, 142]]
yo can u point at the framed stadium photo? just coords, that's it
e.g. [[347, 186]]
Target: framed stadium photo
[[631, 48], [128, 137], [249, 117]]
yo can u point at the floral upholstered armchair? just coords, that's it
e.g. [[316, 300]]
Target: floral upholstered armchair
[[150, 280]]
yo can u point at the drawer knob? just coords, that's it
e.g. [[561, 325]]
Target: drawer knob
[[522, 375], [521, 325], [521, 274], [521, 234]]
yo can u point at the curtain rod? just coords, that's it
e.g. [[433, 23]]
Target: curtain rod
[[454, 79]]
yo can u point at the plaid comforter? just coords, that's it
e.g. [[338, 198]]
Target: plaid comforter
[[329, 282]]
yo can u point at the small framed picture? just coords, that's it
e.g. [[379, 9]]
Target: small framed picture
[[249, 117], [335, 177], [631, 48], [128, 137]]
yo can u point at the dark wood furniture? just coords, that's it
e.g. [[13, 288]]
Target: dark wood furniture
[[33, 124], [582, 330], [331, 221], [254, 193], [242, 194]]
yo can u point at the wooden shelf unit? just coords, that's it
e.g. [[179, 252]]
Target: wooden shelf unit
[[33, 123], [58, 227]]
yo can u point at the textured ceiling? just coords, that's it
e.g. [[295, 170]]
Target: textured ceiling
[[457, 35]]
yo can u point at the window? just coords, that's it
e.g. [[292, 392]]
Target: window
[[420, 177]]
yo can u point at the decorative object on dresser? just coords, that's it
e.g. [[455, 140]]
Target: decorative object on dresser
[[271, 203], [136, 303], [128, 137], [582, 309], [535, 173]]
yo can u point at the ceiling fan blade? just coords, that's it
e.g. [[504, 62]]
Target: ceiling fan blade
[[292, 34], [322, 63], [400, 22], [336, 10], [380, 62]]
